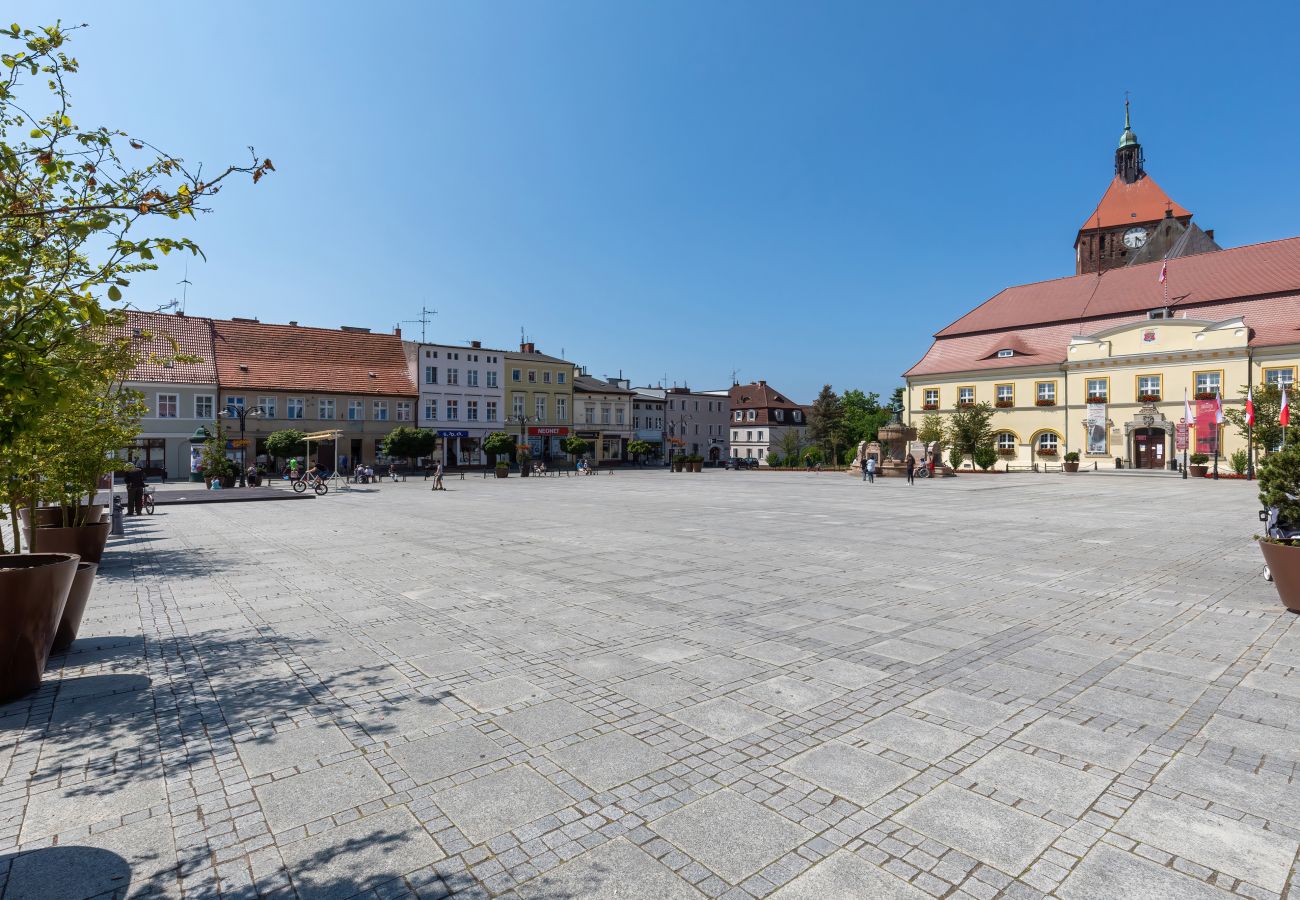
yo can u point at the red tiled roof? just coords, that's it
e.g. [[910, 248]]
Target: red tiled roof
[[1250, 271], [157, 337], [318, 360], [1273, 321], [1124, 204], [759, 394]]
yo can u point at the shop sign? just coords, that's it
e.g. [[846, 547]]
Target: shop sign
[[650, 434], [1180, 436], [543, 430], [589, 435], [455, 434]]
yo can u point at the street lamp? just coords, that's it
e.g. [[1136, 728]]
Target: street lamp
[[682, 419], [243, 414], [522, 420]]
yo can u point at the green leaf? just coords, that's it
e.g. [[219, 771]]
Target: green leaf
[[114, 294]]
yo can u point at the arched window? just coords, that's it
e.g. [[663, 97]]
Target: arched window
[[1047, 442], [1006, 442]]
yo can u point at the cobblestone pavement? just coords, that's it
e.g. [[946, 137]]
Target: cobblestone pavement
[[730, 684]]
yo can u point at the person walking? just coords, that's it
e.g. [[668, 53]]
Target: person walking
[[437, 477], [293, 468], [133, 478], [870, 469], [911, 469]]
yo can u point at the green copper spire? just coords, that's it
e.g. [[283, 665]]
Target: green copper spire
[[1128, 138]]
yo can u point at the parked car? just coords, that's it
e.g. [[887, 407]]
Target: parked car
[[740, 462]]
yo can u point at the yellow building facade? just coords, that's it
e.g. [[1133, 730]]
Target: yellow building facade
[[1142, 370]]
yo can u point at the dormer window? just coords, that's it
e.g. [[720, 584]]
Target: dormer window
[[1006, 354], [1162, 313], [798, 416]]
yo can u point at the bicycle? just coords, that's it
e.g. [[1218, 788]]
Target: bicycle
[[317, 484], [147, 503]]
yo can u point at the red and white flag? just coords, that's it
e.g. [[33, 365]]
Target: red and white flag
[[1187, 410], [1164, 270], [1218, 409], [1250, 406], [1284, 417]]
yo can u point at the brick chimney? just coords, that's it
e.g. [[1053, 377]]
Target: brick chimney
[[397, 330], [477, 345], [527, 347]]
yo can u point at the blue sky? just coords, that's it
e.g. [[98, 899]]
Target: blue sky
[[801, 192]]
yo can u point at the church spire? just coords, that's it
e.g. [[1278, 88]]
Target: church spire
[[1128, 156]]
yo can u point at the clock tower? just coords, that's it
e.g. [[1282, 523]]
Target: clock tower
[[1128, 214]]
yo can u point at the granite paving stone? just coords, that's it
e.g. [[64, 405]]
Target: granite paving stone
[[738, 685], [730, 834]]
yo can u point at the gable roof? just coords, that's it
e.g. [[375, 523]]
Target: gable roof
[[1273, 321], [262, 356], [1124, 203], [1250, 271], [597, 386], [759, 395], [156, 336]]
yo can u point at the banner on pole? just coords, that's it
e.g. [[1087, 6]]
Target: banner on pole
[[1180, 436], [1097, 429], [1207, 427]]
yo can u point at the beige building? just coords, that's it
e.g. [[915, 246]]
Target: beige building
[[1041, 353], [539, 395], [603, 417]]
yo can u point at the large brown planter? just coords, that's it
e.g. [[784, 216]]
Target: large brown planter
[[87, 541], [503, 472], [1197, 471], [33, 591], [697, 467], [53, 515], [75, 608], [1070, 466], [1284, 565]]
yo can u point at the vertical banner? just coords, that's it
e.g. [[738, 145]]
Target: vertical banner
[[1207, 427], [1097, 429]]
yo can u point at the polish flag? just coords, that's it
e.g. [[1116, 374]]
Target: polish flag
[[1284, 417], [1164, 267], [1187, 410], [1250, 406], [1218, 409]]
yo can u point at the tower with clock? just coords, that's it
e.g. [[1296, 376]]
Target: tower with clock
[[1135, 217]]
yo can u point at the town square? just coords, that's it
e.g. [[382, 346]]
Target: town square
[[1060, 698], [624, 451]]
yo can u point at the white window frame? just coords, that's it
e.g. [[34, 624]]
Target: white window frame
[[325, 408], [211, 406], [1048, 440], [379, 409], [559, 377], [471, 410], [561, 409], [269, 406], [539, 407], [453, 376], [430, 374], [452, 409], [173, 402], [356, 410], [403, 411], [431, 409], [491, 378], [1209, 388], [295, 403], [517, 405], [471, 378], [491, 410], [1006, 440]]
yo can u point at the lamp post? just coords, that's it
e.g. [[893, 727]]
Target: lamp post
[[243, 414], [522, 421], [682, 419]]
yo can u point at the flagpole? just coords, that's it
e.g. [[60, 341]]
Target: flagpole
[[1250, 418]]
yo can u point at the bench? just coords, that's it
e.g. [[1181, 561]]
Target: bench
[[1032, 467]]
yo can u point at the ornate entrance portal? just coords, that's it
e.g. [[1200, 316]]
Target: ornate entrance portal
[[1148, 439]]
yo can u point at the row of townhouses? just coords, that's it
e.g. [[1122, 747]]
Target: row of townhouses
[[259, 378]]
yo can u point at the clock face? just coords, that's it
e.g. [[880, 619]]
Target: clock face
[[1135, 237]]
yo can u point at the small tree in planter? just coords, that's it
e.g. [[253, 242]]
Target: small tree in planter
[[214, 462], [574, 446], [405, 442], [498, 445], [639, 449], [986, 457], [1279, 488], [287, 442], [1071, 461], [523, 455], [1197, 465]]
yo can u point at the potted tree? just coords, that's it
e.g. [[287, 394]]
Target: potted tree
[[1279, 488], [498, 445], [1071, 463], [523, 456], [639, 450], [1197, 465], [574, 446], [215, 464], [35, 587]]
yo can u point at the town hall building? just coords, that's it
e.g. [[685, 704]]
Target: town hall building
[[1156, 312]]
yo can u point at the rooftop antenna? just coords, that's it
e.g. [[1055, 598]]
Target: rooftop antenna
[[734, 379], [186, 286], [425, 313]]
